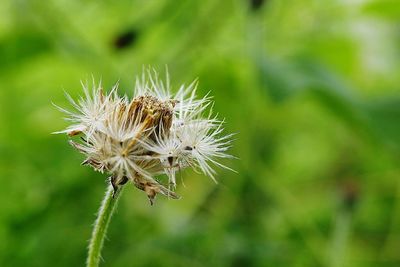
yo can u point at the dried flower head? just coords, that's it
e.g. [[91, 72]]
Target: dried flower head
[[152, 134]]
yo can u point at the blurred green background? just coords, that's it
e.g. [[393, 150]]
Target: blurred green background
[[310, 86]]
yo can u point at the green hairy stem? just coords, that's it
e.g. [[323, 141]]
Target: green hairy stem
[[104, 215]]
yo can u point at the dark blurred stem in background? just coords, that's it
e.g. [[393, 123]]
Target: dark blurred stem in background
[[337, 250]]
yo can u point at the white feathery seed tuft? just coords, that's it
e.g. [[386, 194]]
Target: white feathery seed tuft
[[154, 133]]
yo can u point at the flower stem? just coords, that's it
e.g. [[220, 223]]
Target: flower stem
[[106, 210]]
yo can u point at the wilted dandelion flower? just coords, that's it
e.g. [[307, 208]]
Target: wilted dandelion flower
[[152, 134]]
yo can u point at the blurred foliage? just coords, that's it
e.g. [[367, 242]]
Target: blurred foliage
[[311, 87]]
